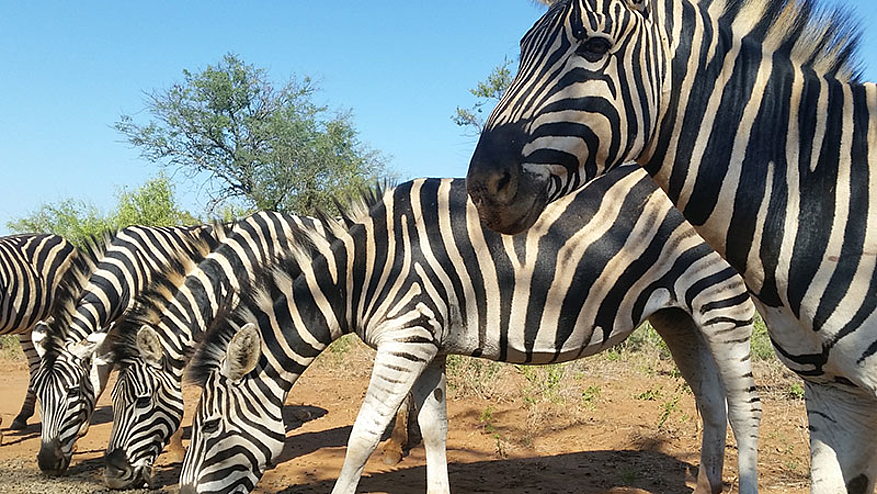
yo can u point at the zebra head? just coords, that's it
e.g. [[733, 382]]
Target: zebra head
[[147, 410], [65, 385], [585, 99], [236, 432]]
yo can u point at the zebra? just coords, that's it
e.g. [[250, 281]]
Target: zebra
[[751, 116], [414, 274], [155, 339], [31, 267], [74, 350]]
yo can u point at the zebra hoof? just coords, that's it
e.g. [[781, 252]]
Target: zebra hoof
[[392, 456], [19, 424]]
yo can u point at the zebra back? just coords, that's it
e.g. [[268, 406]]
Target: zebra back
[[31, 266]]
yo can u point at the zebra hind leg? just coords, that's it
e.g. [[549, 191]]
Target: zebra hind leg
[[843, 452], [33, 364], [698, 368]]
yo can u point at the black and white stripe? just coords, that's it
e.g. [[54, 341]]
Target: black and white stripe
[[416, 276], [750, 116], [31, 267], [76, 363], [155, 338]]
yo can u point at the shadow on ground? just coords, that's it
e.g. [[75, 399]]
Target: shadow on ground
[[588, 472]]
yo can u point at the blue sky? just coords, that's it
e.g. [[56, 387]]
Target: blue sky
[[71, 68]]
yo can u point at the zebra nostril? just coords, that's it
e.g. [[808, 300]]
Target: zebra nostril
[[503, 181], [502, 187], [117, 461]]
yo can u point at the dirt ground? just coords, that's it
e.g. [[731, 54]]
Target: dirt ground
[[600, 426]]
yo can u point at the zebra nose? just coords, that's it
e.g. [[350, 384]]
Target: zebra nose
[[117, 465], [51, 458], [492, 183]]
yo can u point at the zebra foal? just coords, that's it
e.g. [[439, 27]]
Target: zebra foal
[[415, 275]]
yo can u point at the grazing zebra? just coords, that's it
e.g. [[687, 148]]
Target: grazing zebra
[[31, 267], [415, 276], [156, 337], [76, 361], [750, 116]]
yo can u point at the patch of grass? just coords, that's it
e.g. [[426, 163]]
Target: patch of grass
[[591, 394], [649, 394], [667, 408], [342, 345], [761, 347], [10, 348], [646, 338], [796, 391], [486, 420], [470, 375]]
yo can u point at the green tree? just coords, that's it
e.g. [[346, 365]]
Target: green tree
[[272, 147], [488, 92], [152, 204]]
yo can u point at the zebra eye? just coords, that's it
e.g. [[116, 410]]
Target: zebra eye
[[73, 392], [593, 49], [143, 402], [210, 426]]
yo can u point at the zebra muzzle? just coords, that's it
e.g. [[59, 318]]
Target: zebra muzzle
[[51, 458]]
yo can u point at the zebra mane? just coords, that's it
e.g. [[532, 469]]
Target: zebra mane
[[70, 287], [310, 242], [150, 304], [824, 39], [268, 282]]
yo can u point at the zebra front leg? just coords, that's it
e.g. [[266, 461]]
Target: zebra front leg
[[698, 369], [728, 341], [430, 394], [843, 452], [398, 364], [33, 364]]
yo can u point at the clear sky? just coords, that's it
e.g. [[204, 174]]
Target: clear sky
[[69, 69]]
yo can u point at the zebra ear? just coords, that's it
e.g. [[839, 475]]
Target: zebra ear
[[243, 353], [40, 338], [149, 345]]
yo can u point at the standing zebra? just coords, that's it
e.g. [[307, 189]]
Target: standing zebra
[[31, 267], [415, 276], [75, 361], [750, 116], [156, 337]]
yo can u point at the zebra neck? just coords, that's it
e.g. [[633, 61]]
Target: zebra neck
[[764, 157]]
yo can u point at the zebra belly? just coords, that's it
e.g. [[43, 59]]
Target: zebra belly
[[518, 353]]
